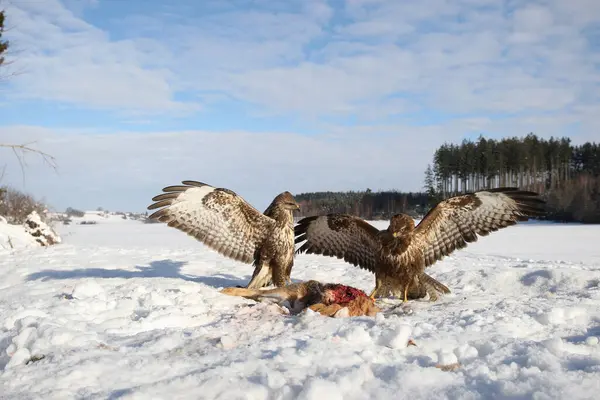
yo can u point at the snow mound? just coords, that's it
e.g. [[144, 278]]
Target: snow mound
[[14, 237], [42, 233], [33, 233]]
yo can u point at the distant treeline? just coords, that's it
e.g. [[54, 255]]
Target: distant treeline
[[567, 176], [366, 204]]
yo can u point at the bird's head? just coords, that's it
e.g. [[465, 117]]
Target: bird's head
[[401, 224], [287, 201]]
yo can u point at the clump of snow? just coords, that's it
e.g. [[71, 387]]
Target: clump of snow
[[42, 233], [562, 315], [355, 334], [318, 389], [466, 352], [87, 289], [447, 357], [397, 338]]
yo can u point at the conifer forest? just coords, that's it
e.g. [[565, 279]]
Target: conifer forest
[[566, 175]]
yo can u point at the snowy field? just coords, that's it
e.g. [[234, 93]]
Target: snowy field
[[126, 310]]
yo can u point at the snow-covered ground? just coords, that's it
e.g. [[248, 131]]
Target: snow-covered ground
[[34, 232], [14, 237], [131, 310]]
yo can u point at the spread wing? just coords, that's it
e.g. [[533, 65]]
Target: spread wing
[[458, 220], [217, 217], [339, 235]]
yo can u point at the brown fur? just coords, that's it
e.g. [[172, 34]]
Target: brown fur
[[225, 222], [310, 294], [355, 308], [399, 254]]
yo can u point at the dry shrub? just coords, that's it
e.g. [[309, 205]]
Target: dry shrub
[[576, 200], [15, 205]]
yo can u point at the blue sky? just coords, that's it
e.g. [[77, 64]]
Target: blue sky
[[265, 96]]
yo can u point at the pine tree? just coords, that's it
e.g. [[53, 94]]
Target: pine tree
[[3, 43], [567, 176]]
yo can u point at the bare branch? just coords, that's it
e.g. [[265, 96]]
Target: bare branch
[[21, 150]]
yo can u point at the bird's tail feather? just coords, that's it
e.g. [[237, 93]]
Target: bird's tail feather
[[430, 282]]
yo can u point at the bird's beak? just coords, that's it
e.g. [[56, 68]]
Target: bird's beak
[[297, 206], [395, 234]]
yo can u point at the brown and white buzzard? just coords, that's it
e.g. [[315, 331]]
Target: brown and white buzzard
[[399, 254], [225, 222]]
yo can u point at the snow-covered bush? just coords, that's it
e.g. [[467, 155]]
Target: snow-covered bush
[[32, 233], [42, 233]]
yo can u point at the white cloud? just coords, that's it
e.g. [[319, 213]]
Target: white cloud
[[579, 11], [257, 165], [375, 29], [531, 23], [66, 59], [123, 170], [468, 56]]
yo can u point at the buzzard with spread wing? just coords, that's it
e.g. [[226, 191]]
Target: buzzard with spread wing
[[225, 222], [399, 254]]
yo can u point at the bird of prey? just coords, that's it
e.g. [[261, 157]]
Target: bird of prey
[[228, 224], [399, 254]]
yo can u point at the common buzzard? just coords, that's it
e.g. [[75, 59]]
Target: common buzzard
[[225, 222], [399, 254]]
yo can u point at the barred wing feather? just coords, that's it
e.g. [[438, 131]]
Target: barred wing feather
[[458, 220], [217, 217], [339, 235]]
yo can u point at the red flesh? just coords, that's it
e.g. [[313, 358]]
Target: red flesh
[[343, 294]]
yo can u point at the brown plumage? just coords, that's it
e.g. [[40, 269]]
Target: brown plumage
[[399, 254], [225, 222]]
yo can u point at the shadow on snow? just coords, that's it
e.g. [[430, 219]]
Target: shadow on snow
[[155, 269]]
